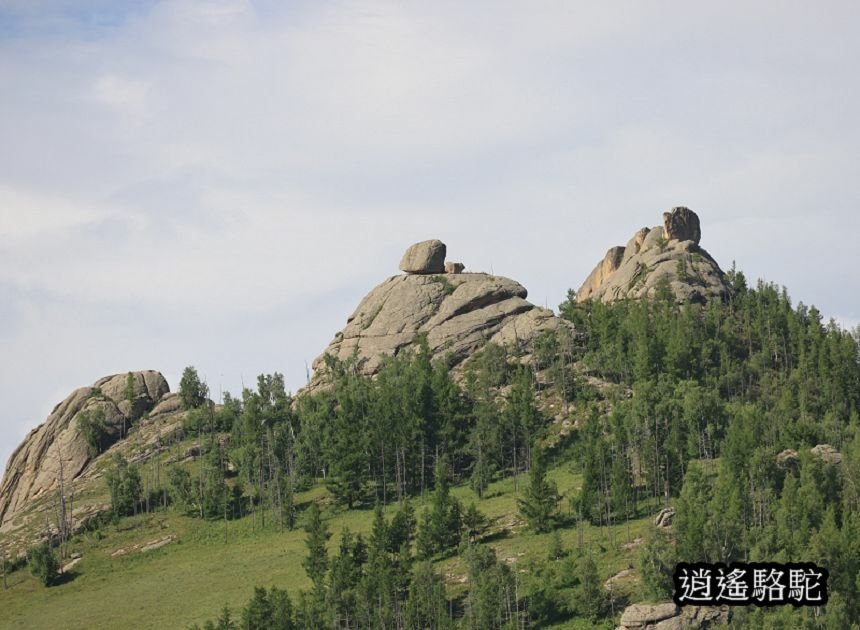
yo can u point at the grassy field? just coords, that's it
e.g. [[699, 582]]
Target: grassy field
[[191, 578]]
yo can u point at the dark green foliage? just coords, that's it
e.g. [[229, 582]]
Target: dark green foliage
[[490, 602], [94, 428], [345, 575], [441, 524], [657, 561], [43, 563], [316, 562], [427, 605], [192, 391], [474, 522], [225, 621], [257, 614], [589, 598], [539, 504], [125, 486], [181, 490]]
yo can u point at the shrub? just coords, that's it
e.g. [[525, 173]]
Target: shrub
[[43, 563]]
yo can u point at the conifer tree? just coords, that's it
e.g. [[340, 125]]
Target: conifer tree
[[539, 504]]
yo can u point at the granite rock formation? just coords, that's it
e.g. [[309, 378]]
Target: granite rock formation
[[458, 312], [669, 253], [56, 448]]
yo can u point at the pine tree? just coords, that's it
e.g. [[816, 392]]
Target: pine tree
[[316, 562], [539, 504], [588, 597]]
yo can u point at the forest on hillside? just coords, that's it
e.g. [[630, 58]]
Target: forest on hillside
[[713, 408]]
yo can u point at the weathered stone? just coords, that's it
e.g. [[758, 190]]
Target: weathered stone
[[651, 259], [56, 447], [424, 257], [454, 267], [459, 313], [610, 263], [635, 243], [682, 224], [668, 616], [168, 405], [787, 459], [827, 453], [641, 615], [665, 517]]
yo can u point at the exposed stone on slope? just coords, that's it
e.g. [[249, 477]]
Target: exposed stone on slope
[[603, 270], [668, 616], [56, 445], [424, 257], [459, 313], [665, 517], [668, 253], [641, 615], [454, 267], [827, 453]]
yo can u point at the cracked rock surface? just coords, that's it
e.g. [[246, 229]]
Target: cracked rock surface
[[459, 312], [669, 253]]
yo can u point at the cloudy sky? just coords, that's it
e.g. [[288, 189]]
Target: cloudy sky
[[217, 183]]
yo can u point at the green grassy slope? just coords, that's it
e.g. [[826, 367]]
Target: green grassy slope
[[190, 579]]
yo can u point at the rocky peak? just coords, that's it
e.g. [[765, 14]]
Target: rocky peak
[[57, 448], [668, 253], [459, 312], [682, 224]]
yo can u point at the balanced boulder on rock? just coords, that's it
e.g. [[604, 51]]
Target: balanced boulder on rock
[[424, 257], [458, 313], [664, 255]]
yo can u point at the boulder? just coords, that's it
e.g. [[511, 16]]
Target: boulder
[[664, 255], [668, 616], [643, 615], [454, 267], [57, 448], [665, 517], [682, 224], [787, 459], [424, 257], [827, 453]]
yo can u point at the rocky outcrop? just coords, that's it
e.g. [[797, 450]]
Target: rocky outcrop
[[459, 313], [56, 447], [667, 254], [454, 267], [826, 453], [682, 224], [668, 616], [665, 517], [424, 257]]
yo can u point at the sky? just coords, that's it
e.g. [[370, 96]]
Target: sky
[[218, 183]]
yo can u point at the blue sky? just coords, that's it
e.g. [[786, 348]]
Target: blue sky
[[219, 183]]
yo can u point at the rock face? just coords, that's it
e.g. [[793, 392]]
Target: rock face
[[682, 224], [668, 616], [665, 517], [56, 445], [668, 253], [826, 453], [424, 257], [459, 313], [454, 267]]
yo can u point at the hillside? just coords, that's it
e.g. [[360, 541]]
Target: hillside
[[696, 418]]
